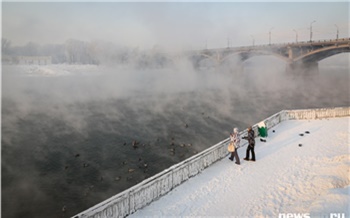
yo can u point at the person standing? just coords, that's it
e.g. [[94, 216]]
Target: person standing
[[251, 144], [235, 139]]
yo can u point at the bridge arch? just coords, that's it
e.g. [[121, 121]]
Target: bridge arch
[[243, 55], [320, 54]]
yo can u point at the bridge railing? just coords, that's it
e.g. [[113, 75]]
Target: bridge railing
[[300, 43], [142, 194]]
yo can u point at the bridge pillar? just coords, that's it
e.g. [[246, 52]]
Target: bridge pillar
[[297, 68], [290, 53]]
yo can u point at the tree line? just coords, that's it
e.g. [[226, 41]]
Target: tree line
[[74, 51]]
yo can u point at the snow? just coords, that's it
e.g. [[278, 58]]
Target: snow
[[311, 179], [54, 70], [261, 124]]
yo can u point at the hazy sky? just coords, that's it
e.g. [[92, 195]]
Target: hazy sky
[[180, 25]]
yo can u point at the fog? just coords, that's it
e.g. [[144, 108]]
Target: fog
[[72, 133], [120, 102], [172, 25]]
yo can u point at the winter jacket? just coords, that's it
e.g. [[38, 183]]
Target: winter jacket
[[262, 129], [235, 138], [250, 138]]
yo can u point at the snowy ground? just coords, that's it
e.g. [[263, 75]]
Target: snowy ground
[[54, 69], [311, 180]]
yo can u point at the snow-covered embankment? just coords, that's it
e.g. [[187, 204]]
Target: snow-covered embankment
[[286, 177]]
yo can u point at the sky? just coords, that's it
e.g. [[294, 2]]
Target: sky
[[173, 25]]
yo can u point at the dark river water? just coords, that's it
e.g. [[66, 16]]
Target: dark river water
[[73, 136]]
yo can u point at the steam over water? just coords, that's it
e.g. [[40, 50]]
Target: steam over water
[[72, 136]]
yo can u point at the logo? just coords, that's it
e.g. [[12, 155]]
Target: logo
[[337, 215], [295, 215], [307, 215]]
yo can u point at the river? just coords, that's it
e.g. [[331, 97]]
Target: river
[[73, 136]]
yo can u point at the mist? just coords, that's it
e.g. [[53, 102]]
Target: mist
[[173, 25], [120, 102], [74, 135]]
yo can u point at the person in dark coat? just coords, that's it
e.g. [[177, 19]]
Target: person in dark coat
[[251, 144]]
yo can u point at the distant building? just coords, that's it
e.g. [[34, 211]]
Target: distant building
[[6, 59], [36, 60]]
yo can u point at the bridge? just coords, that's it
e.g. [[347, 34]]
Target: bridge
[[300, 55]]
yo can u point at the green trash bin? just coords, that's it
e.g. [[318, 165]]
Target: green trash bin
[[262, 129]]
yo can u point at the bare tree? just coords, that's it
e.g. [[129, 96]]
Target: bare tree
[[5, 45]]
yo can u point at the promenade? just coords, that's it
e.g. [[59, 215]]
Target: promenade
[[302, 169]]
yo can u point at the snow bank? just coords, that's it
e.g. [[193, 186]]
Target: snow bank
[[55, 70]]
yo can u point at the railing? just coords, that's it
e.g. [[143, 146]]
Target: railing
[[300, 43], [142, 194]]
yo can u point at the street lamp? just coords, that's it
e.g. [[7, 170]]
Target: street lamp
[[337, 31], [296, 36], [253, 40], [270, 36], [311, 30]]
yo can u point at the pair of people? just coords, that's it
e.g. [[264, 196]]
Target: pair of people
[[235, 139]]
